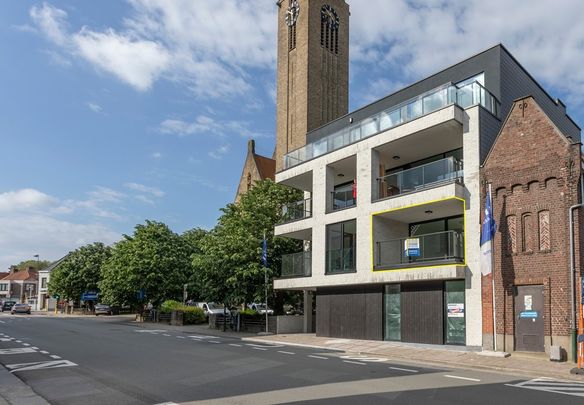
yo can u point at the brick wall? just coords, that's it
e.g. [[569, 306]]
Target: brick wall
[[532, 168]]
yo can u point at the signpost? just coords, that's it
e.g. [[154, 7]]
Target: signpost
[[90, 296]]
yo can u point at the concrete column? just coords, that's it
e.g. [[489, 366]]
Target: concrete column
[[307, 326]]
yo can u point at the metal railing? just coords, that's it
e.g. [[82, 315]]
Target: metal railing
[[420, 177], [446, 246], [296, 210], [448, 94], [343, 199], [340, 261], [297, 265]]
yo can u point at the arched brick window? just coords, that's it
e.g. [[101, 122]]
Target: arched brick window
[[511, 234], [544, 231], [527, 232]]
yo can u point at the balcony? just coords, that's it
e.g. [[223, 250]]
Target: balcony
[[343, 199], [443, 171], [448, 94], [297, 265], [339, 261], [436, 248], [296, 211]]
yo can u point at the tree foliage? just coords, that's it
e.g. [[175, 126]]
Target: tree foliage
[[79, 272], [36, 264], [154, 260], [228, 267]]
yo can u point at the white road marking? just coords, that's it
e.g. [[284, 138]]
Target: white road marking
[[19, 341], [404, 369], [283, 352], [258, 348], [44, 352], [214, 341], [268, 346], [354, 362], [34, 347], [2, 322], [6, 339], [365, 358], [180, 337], [574, 388], [461, 378], [203, 337], [149, 330], [54, 356], [234, 345], [165, 334], [317, 357], [17, 350], [26, 344], [37, 365], [167, 403]]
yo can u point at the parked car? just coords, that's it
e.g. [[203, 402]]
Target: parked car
[[261, 308], [102, 309], [7, 305], [20, 309], [211, 308]]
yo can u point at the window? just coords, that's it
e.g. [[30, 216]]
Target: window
[[341, 241], [527, 233], [43, 283], [511, 234], [292, 37], [3, 287], [544, 231]]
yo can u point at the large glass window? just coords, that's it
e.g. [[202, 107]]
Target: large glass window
[[341, 241], [441, 239], [455, 312], [392, 304]]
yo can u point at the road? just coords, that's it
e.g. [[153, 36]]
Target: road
[[108, 360]]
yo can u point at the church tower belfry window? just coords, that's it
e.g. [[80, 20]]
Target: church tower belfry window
[[329, 29], [291, 16]]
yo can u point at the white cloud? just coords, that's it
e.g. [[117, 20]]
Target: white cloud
[[52, 21], [144, 199], [26, 199], [94, 107], [145, 189], [206, 125], [219, 152], [156, 155]]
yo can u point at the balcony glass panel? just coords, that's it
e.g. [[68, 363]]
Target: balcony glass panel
[[340, 248], [418, 178], [437, 247], [297, 264], [343, 198], [296, 210], [467, 95]]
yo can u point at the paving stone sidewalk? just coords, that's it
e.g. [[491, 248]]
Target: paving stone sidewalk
[[516, 364]]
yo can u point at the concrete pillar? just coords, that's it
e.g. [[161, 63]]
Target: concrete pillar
[[307, 326]]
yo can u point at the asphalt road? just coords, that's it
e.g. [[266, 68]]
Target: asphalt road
[[108, 360]]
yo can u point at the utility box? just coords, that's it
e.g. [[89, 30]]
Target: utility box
[[556, 353]]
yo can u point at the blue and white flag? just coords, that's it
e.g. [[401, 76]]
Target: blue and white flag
[[488, 228], [265, 252]]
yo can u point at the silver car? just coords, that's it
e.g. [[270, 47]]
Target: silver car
[[20, 309], [102, 309]]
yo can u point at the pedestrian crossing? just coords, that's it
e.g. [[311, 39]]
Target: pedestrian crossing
[[555, 386]]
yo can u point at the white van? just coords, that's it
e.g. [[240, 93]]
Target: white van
[[211, 308]]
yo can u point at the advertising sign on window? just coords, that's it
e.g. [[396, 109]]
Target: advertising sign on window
[[456, 310]]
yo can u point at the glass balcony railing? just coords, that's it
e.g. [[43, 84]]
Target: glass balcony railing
[[296, 210], [297, 265], [420, 177], [343, 199], [439, 247], [465, 96], [340, 261]]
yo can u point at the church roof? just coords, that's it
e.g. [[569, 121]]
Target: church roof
[[266, 166]]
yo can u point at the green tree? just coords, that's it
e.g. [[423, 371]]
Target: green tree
[[36, 264], [193, 239], [153, 260], [228, 267], [79, 272]]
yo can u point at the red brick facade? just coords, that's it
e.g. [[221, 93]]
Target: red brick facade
[[534, 172]]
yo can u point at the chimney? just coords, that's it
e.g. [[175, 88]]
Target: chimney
[[251, 146], [13, 269]]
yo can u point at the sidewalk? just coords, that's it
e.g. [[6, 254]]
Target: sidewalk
[[516, 364], [15, 392]]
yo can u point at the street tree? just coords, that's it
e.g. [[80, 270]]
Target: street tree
[[228, 267], [79, 272], [152, 265]]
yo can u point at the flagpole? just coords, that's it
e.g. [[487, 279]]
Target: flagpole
[[266, 283], [493, 276]]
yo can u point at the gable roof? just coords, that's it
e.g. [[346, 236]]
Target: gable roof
[[266, 166], [52, 266], [22, 275]]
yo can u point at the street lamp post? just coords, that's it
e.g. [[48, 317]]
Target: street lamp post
[[38, 261]]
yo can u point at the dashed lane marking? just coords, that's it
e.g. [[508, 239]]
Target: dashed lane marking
[[354, 362], [203, 337], [214, 341], [6, 339], [317, 357], [26, 344], [19, 341], [259, 348], [165, 334], [2, 322], [34, 347], [284, 352], [17, 350], [150, 330], [461, 378], [180, 337], [574, 388], [365, 359], [44, 352], [38, 365], [54, 356], [404, 369], [266, 346], [234, 345]]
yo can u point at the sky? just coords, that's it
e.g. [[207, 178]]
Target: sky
[[115, 112]]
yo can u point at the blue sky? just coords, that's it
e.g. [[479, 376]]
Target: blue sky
[[116, 112]]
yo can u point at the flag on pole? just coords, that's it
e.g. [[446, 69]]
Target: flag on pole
[[265, 252], [488, 228]]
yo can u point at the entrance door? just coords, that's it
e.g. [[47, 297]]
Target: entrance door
[[529, 319], [422, 313]]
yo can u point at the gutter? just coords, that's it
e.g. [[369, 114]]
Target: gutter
[[572, 271]]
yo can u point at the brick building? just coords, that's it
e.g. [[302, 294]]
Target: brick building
[[255, 168], [534, 170]]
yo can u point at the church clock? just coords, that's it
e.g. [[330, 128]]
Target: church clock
[[292, 13], [329, 16]]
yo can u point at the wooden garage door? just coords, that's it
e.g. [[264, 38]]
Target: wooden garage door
[[422, 312]]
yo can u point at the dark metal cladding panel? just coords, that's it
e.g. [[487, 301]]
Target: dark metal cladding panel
[[489, 127], [422, 312]]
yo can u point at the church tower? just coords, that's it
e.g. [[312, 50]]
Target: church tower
[[313, 69]]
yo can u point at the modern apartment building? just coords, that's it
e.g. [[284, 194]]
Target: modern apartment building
[[393, 197]]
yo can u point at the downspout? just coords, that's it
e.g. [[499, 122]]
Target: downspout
[[573, 270]]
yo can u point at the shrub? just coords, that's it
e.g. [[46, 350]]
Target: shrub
[[192, 315], [170, 305], [249, 312]]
